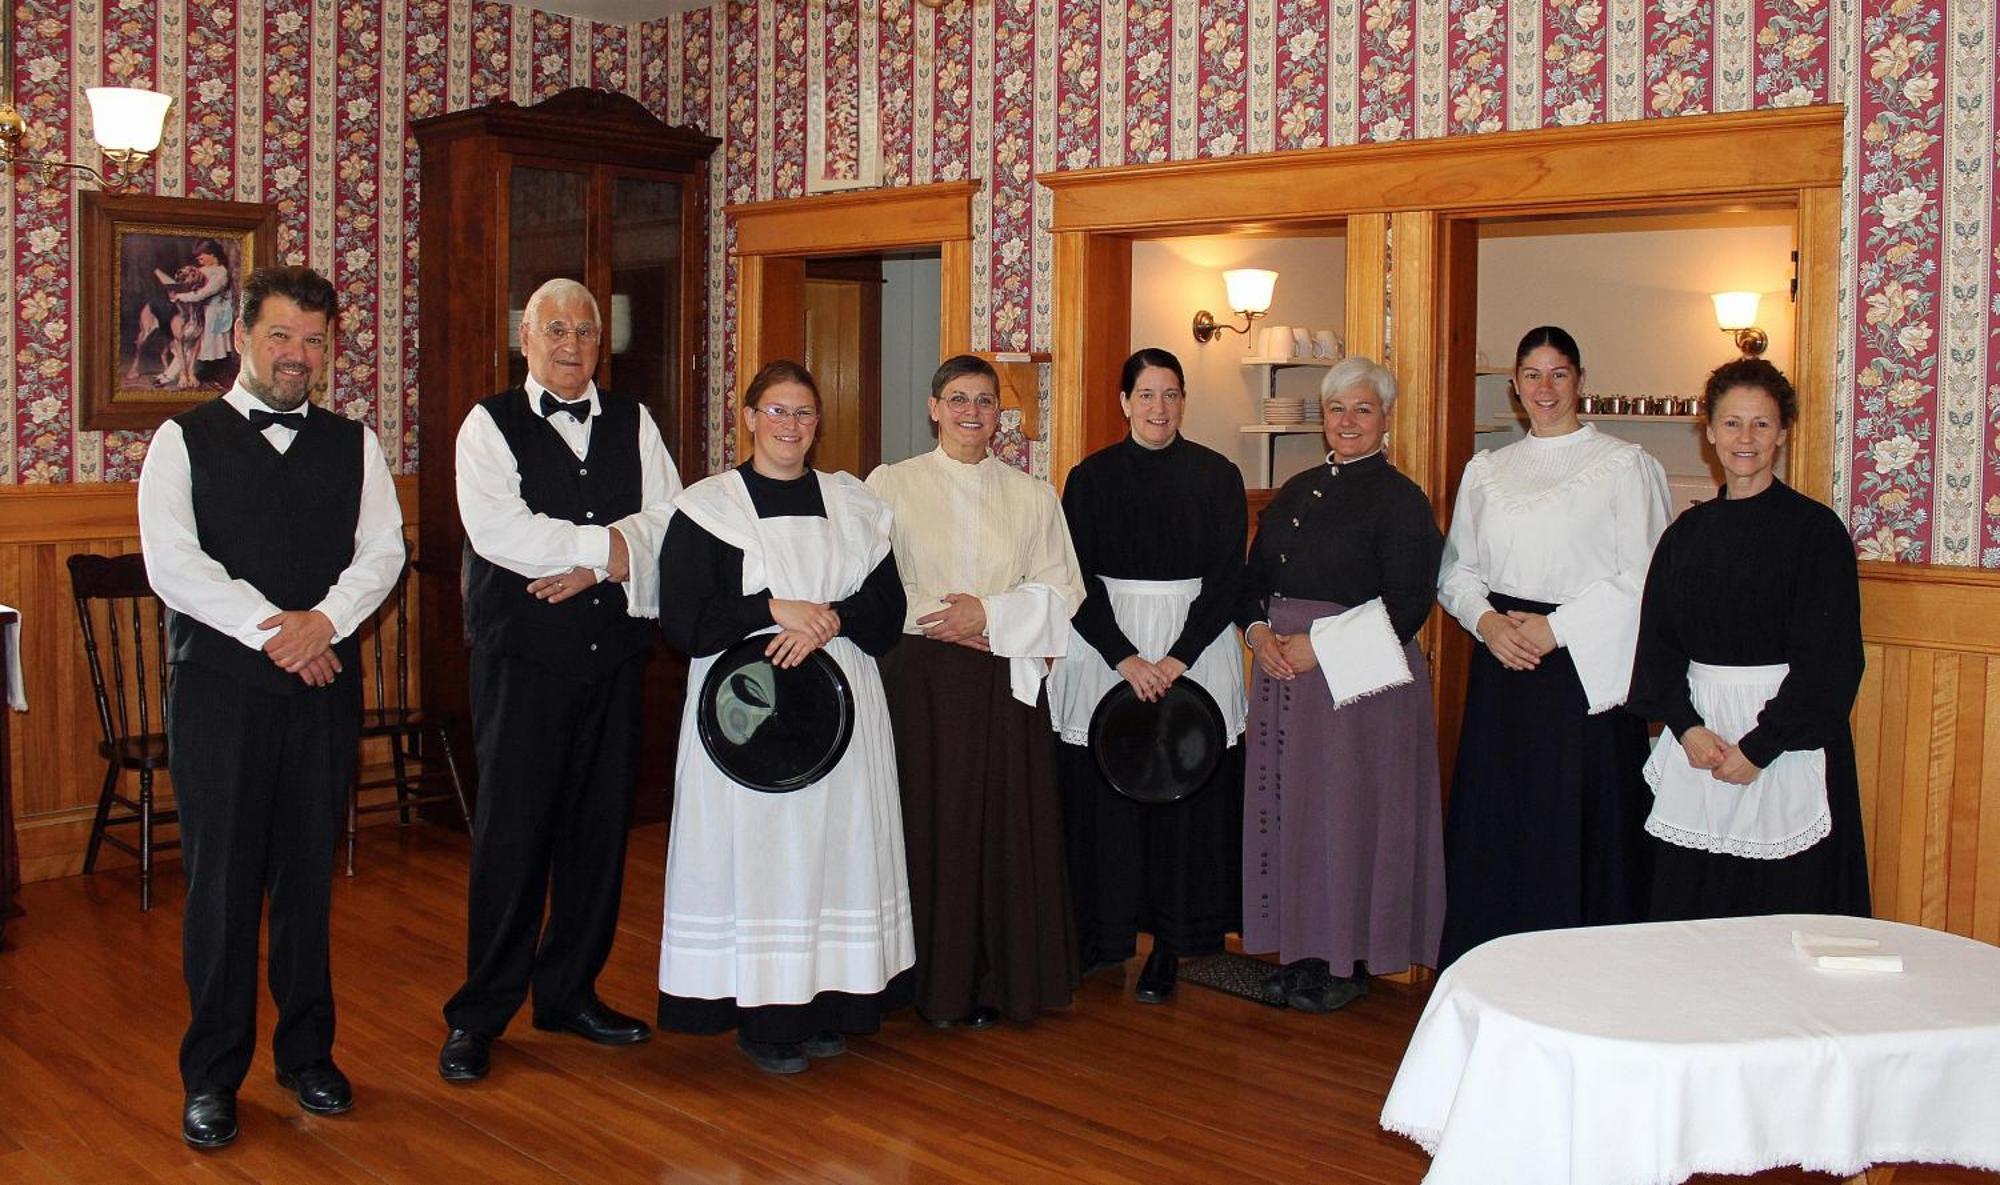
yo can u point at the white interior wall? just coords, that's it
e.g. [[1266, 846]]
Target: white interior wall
[[1172, 278], [1637, 301], [910, 343]]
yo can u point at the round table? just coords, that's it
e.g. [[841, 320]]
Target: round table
[[1642, 1055]]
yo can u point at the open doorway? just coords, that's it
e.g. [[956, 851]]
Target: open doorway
[[871, 341]]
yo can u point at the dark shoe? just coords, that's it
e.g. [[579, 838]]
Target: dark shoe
[[982, 1017], [321, 1087], [1330, 996], [824, 1044], [208, 1119], [596, 1022], [1157, 978], [466, 1056], [771, 1057]]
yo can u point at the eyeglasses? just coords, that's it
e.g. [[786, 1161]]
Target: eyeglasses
[[559, 333], [804, 417], [958, 401]]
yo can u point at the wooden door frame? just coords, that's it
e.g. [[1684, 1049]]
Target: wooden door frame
[[1429, 196], [774, 239]]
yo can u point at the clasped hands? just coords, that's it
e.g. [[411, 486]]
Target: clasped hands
[[961, 622], [1724, 761], [303, 645], [564, 585], [1517, 639], [803, 627], [1150, 680], [1282, 656]]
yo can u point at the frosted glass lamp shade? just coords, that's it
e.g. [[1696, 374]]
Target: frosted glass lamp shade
[[127, 119], [1250, 289], [1735, 310]]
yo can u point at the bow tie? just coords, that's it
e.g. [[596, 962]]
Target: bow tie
[[552, 406], [261, 419]]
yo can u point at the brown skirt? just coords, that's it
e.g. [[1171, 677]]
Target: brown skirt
[[982, 824]]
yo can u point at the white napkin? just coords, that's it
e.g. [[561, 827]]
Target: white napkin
[[1358, 652], [1837, 952]]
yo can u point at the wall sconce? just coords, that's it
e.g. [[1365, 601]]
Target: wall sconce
[[1736, 313], [126, 122], [1249, 296]]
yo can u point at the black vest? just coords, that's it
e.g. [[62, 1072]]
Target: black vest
[[284, 522], [590, 634]]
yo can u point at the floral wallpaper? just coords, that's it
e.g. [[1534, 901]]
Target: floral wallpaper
[[1010, 90], [307, 106]]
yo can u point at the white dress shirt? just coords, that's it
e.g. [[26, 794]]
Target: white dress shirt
[[990, 530], [504, 531], [190, 581], [1568, 520]]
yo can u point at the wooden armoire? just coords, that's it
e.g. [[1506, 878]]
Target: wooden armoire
[[586, 185]]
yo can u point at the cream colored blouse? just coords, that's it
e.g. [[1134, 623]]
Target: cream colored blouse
[[996, 533]]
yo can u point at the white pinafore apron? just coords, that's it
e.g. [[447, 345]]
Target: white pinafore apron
[[1781, 813], [774, 898], [1152, 613]]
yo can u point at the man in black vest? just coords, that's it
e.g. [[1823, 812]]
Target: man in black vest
[[271, 531], [565, 492]]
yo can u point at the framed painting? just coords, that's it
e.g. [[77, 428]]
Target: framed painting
[[160, 281]]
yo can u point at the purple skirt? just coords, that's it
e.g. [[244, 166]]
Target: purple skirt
[[1343, 849]]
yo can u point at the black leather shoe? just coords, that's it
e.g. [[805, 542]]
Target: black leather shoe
[[321, 1087], [771, 1057], [466, 1056], [826, 1043], [595, 1022], [982, 1017], [208, 1119], [1157, 978]]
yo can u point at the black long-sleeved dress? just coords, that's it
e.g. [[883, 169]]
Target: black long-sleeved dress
[[1760, 581], [1169, 869]]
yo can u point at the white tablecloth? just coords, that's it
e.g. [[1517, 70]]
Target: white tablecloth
[[1641, 1055]]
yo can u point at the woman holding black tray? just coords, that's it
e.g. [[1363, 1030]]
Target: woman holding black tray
[[787, 914], [1158, 522]]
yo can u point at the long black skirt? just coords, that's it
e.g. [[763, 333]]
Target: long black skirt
[[1546, 824], [849, 1013], [982, 827], [1172, 870], [1829, 877]]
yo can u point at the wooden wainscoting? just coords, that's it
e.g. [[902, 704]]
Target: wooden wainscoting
[[1927, 735], [55, 766]]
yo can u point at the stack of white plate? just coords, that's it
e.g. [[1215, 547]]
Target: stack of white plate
[[1312, 411], [1284, 411]]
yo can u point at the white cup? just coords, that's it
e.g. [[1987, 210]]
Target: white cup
[[1277, 342], [1326, 345]]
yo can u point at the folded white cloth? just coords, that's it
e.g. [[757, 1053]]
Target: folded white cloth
[[17, 691], [1358, 653], [1839, 953]]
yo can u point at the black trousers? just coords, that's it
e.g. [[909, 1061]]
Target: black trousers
[[261, 782], [557, 762]]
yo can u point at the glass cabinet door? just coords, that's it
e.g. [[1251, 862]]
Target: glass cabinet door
[[547, 239], [645, 319]]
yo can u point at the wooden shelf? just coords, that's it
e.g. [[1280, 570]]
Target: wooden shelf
[[1282, 363], [1280, 429], [1628, 418], [1485, 371]]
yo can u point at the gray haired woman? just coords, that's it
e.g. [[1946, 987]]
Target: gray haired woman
[[1343, 859]]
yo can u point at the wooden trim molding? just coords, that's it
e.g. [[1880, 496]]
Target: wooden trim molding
[[1742, 153], [84, 512], [1929, 607], [849, 223]]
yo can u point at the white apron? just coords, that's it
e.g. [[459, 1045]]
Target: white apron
[[1152, 613], [775, 898], [1782, 813]]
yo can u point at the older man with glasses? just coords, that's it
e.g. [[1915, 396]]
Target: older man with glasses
[[565, 492]]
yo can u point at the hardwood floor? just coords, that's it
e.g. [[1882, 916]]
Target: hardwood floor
[[1205, 1089]]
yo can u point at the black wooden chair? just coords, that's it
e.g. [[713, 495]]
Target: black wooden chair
[[424, 768], [124, 637]]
